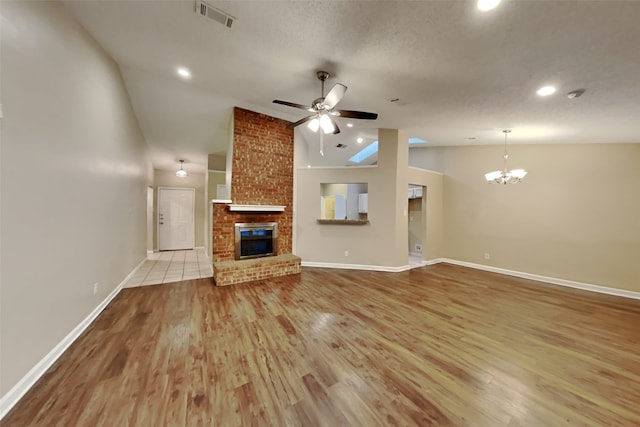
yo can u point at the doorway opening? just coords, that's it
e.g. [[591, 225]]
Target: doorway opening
[[417, 218]]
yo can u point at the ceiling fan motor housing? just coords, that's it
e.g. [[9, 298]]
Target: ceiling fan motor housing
[[323, 75]]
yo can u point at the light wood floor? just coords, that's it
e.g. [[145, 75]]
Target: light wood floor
[[440, 345]]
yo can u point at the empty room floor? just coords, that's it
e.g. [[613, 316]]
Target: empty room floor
[[442, 345], [172, 266]]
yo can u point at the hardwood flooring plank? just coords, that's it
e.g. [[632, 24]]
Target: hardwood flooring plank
[[441, 345]]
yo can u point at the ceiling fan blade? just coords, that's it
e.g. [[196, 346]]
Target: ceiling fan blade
[[362, 115], [335, 95], [301, 121], [294, 105]]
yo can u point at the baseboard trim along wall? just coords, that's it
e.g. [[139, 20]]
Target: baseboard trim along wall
[[358, 266], [537, 277], [546, 279], [14, 395]]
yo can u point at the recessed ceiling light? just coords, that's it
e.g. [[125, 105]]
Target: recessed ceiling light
[[349, 125], [359, 140], [546, 91], [485, 5], [183, 72]]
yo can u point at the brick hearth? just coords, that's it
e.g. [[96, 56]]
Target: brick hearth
[[261, 174]]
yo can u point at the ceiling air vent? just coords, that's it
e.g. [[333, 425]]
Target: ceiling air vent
[[206, 10]]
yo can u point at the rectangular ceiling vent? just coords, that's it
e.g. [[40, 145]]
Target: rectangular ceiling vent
[[208, 11]]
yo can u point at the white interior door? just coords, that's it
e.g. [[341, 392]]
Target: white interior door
[[176, 218]]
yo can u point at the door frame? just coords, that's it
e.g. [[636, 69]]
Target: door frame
[[150, 218], [193, 210]]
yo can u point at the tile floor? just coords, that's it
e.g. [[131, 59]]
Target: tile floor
[[171, 266]]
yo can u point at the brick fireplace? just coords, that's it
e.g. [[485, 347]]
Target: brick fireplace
[[261, 174]]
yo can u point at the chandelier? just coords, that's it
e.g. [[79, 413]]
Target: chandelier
[[503, 177]]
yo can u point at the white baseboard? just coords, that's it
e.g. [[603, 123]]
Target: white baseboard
[[367, 267], [357, 266], [12, 397], [546, 279], [537, 277]]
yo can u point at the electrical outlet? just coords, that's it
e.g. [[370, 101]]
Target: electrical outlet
[[346, 253], [95, 288], [487, 255], [418, 247]]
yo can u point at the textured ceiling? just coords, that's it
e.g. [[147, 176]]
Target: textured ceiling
[[458, 73]]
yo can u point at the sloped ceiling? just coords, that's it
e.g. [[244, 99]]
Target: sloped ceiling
[[458, 73]]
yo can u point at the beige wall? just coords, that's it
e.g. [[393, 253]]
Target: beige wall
[[164, 178], [75, 170], [215, 179], [576, 216], [383, 242], [334, 189]]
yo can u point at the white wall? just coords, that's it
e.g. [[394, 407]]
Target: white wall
[[576, 215], [74, 176]]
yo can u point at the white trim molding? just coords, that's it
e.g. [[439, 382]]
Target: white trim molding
[[14, 395], [546, 279], [384, 268]]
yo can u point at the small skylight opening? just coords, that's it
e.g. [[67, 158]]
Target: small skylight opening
[[372, 149], [365, 153]]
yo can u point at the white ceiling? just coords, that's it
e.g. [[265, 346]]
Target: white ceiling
[[459, 73]]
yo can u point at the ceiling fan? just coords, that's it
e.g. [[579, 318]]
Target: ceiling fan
[[323, 109]]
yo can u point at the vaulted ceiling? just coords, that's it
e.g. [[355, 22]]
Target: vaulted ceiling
[[459, 75]]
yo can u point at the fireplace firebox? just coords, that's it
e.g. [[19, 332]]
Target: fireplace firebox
[[254, 240]]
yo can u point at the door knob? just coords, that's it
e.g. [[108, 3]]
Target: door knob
[[161, 223]]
